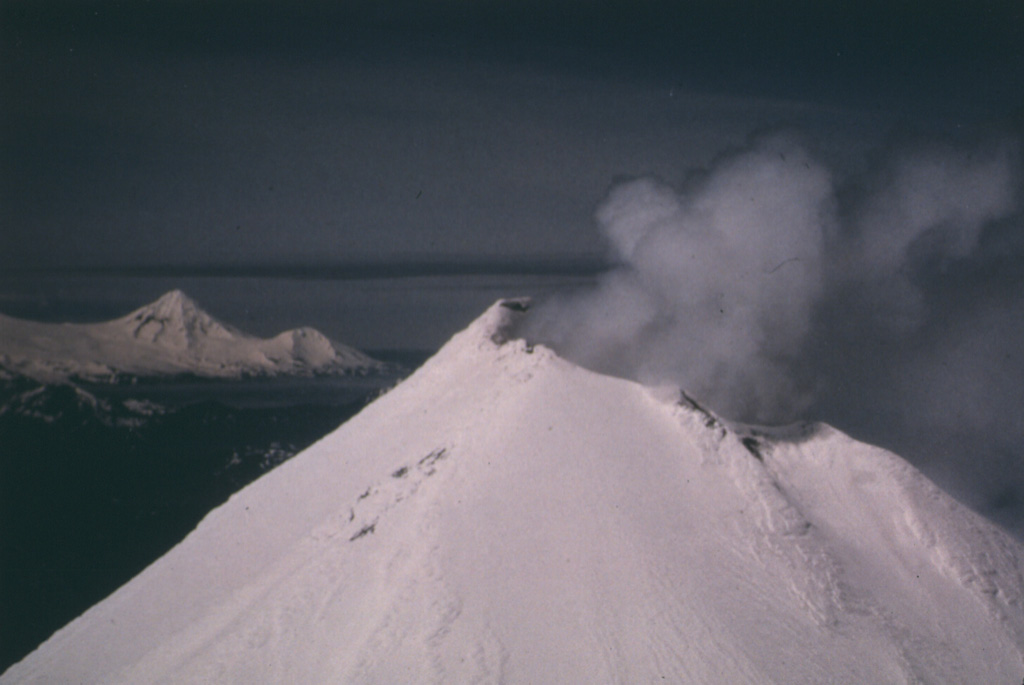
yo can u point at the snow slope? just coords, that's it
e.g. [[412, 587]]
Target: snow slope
[[170, 336], [505, 516]]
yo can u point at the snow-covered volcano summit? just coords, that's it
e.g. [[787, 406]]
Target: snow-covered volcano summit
[[506, 516], [175, 320], [170, 336]]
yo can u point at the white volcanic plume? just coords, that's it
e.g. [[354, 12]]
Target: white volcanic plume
[[506, 516], [718, 284], [776, 287]]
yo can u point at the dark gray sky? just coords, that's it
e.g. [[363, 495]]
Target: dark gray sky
[[286, 132], [864, 156]]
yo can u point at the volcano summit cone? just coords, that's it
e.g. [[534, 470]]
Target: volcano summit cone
[[506, 516]]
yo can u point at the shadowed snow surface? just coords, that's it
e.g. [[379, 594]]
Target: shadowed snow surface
[[505, 516], [170, 336]]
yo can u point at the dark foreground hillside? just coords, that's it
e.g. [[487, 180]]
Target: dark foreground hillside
[[97, 483]]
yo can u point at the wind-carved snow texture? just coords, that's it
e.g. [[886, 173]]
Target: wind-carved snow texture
[[786, 535], [170, 336], [505, 516], [377, 499]]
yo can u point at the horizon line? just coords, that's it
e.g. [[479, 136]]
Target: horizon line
[[355, 270]]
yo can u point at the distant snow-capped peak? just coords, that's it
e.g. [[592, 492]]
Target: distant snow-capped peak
[[176, 319], [170, 336]]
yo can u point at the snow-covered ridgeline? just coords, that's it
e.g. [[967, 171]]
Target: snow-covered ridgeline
[[506, 516], [170, 336]]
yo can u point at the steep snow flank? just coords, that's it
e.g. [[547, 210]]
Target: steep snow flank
[[921, 553], [505, 516], [170, 336]]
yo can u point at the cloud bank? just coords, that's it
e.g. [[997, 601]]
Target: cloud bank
[[775, 288]]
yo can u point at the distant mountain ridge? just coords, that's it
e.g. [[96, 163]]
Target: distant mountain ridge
[[170, 336]]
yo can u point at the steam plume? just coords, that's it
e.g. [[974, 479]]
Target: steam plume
[[775, 288]]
